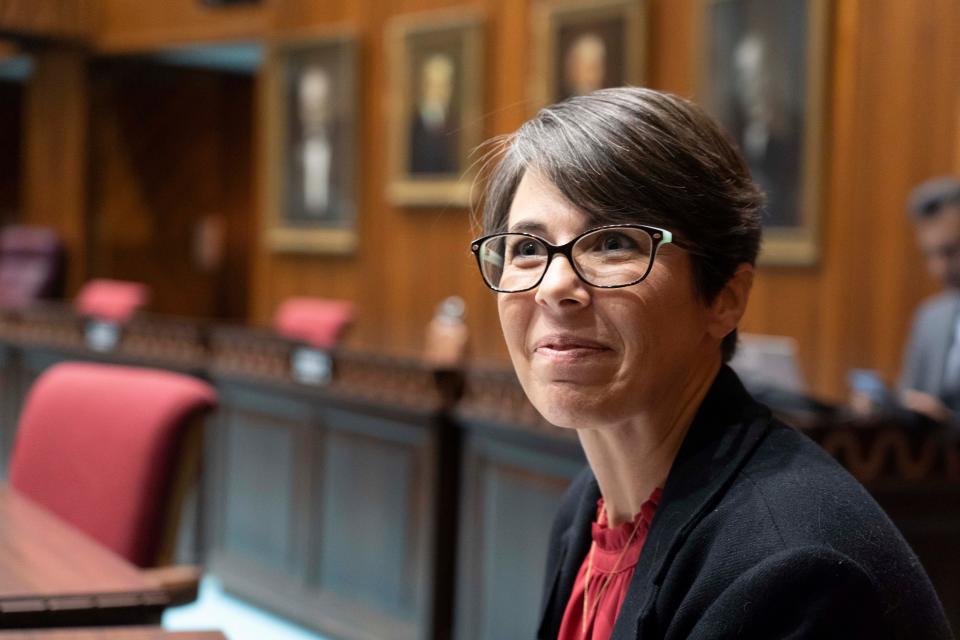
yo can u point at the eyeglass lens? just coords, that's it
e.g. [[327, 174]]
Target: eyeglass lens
[[605, 257]]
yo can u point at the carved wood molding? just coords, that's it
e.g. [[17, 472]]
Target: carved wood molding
[[891, 453], [60, 19], [261, 354]]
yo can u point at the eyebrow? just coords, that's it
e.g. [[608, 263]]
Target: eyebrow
[[528, 226]]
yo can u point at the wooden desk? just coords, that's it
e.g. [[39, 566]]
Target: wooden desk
[[53, 575], [111, 633]]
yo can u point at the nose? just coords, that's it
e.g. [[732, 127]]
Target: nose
[[561, 287]]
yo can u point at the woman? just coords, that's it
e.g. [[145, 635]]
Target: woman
[[621, 233]]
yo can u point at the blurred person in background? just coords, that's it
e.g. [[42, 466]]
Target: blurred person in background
[[621, 230], [930, 379]]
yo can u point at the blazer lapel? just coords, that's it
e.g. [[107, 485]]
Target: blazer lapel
[[726, 429], [576, 544]]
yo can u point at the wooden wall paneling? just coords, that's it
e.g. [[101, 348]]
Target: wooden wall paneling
[[61, 19], [290, 16], [258, 494], [9, 405], [956, 102], [674, 45], [11, 133], [512, 485], [259, 520], [374, 533], [326, 507], [55, 148], [124, 26], [234, 209]]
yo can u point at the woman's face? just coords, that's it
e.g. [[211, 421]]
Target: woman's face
[[588, 357]]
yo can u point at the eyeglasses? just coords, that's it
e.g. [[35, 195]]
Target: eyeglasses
[[607, 257]]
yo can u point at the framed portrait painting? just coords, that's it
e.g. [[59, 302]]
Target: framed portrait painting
[[311, 100], [763, 78], [584, 45], [435, 106]]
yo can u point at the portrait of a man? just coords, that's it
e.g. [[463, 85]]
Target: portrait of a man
[[757, 89], [591, 56], [434, 146], [436, 104], [584, 46]]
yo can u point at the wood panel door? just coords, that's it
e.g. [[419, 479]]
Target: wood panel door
[[171, 191], [11, 104]]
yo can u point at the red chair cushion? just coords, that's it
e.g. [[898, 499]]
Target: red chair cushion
[[318, 322], [97, 445], [113, 300]]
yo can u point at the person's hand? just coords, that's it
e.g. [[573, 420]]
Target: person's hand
[[926, 404]]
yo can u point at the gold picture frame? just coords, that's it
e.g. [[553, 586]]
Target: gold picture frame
[[310, 96], [435, 106], [584, 45], [763, 76]]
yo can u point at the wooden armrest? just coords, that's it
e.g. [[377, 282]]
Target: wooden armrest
[[181, 582]]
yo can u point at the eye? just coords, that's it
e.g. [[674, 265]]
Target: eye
[[529, 248], [616, 242], [524, 248], [612, 241]]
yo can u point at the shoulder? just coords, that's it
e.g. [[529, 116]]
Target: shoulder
[[793, 514], [936, 306], [809, 499]]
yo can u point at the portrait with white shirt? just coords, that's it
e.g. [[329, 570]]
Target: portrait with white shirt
[[312, 144]]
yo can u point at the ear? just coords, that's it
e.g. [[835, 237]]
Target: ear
[[728, 307]]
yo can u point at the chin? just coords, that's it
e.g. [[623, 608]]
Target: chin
[[570, 405]]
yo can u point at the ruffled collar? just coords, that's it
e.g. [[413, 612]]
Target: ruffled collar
[[609, 544]]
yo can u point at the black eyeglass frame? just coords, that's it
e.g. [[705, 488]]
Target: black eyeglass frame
[[657, 235]]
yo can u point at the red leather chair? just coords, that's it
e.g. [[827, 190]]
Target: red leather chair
[[31, 266], [101, 447], [111, 300], [315, 321]]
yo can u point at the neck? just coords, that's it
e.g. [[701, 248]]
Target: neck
[[633, 458]]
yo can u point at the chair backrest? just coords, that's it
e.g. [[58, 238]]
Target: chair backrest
[[98, 445], [31, 266], [112, 300], [315, 321]]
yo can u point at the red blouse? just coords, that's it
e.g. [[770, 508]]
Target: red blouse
[[610, 563]]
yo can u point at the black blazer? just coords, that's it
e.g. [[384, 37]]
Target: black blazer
[[759, 534]]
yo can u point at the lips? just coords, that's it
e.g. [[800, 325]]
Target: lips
[[566, 345]]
